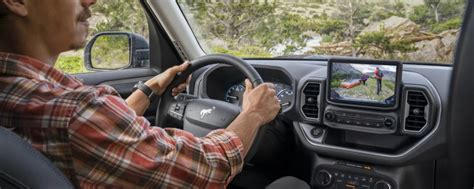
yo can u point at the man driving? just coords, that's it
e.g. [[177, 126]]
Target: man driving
[[96, 138]]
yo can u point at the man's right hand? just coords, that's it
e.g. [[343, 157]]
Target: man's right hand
[[260, 103]]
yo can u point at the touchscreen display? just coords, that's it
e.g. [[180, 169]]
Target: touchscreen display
[[359, 83]]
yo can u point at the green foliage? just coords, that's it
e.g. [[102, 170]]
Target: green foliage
[[70, 64], [388, 10], [257, 28], [331, 27], [379, 45], [422, 15], [327, 39], [111, 52], [450, 10], [121, 15], [454, 23], [338, 78], [315, 6], [245, 51], [425, 16]]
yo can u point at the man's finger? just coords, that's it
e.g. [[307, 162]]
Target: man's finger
[[270, 85], [181, 87], [180, 68]]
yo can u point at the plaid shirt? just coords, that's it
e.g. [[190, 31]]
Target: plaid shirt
[[93, 137]]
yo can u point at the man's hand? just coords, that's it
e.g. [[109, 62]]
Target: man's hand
[[261, 103], [161, 81], [260, 106]]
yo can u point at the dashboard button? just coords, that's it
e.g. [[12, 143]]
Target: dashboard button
[[382, 185], [323, 178], [330, 116]]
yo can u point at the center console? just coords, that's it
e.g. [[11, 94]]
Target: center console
[[362, 115]]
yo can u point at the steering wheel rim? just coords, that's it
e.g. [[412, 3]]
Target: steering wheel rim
[[167, 99]]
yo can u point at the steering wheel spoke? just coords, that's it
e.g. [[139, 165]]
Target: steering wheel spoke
[[176, 110]]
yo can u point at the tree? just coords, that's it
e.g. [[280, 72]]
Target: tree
[[379, 45], [121, 15], [257, 24], [353, 12], [434, 4]]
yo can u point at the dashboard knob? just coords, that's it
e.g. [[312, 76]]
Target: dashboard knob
[[389, 122], [323, 178], [330, 116], [381, 184]]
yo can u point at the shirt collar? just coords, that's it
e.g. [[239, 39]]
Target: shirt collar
[[24, 66]]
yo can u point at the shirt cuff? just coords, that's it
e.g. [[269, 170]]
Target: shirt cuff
[[233, 147]]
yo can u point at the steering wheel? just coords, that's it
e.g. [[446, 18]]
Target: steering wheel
[[200, 116]]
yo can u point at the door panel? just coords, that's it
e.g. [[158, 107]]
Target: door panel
[[123, 81]]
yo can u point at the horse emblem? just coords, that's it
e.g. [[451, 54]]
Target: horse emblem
[[206, 112]]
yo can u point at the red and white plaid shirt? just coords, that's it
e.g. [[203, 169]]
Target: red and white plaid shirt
[[91, 134]]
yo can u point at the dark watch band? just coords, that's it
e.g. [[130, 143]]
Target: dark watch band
[[145, 89]]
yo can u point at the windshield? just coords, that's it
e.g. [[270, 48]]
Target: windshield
[[407, 30]]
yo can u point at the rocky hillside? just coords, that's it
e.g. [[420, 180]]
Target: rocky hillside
[[429, 47]]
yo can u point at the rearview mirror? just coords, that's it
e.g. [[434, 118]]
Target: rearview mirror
[[116, 50]]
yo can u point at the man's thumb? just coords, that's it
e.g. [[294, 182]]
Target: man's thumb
[[248, 85]]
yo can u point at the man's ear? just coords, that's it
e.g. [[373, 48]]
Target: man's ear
[[17, 7]]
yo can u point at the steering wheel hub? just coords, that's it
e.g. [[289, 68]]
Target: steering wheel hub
[[204, 115]]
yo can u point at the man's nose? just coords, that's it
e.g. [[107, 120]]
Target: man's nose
[[88, 3]]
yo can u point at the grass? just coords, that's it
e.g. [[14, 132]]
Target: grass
[[71, 64], [369, 91]]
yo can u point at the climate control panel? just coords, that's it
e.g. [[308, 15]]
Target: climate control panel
[[349, 176], [358, 120]]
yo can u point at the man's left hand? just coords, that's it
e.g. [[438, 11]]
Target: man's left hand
[[160, 82]]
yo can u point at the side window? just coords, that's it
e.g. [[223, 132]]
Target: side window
[[127, 20]]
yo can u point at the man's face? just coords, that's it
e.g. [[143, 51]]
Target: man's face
[[61, 24]]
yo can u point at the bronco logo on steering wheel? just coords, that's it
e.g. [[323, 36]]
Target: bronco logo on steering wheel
[[206, 112]]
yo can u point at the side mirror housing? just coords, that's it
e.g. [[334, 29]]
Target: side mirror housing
[[116, 50]]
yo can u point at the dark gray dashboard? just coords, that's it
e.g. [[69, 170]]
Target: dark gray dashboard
[[395, 146]]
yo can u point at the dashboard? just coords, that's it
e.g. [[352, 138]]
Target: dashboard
[[400, 124], [284, 93], [232, 88]]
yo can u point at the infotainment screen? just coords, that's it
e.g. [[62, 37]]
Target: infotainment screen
[[364, 82]]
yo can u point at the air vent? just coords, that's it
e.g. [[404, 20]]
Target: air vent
[[310, 107], [417, 116]]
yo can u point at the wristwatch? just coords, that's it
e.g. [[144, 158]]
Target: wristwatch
[[145, 89]]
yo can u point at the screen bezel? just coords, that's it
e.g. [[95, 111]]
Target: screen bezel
[[398, 83]]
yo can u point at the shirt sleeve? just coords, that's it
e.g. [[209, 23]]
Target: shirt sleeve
[[111, 146]]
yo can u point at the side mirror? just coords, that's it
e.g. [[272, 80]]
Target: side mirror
[[116, 50]]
